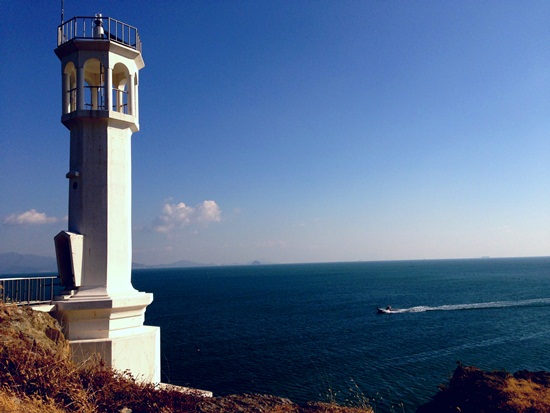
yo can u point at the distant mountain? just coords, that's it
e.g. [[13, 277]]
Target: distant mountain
[[178, 264], [261, 262], [13, 263]]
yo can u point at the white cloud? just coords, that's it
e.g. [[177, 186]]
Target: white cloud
[[208, 211], [179, 215], [31, 217]]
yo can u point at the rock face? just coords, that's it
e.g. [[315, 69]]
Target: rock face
[[23, 327], [472, 390], [256, 403]]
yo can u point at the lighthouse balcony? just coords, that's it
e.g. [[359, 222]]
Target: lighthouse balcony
[[96, 28]]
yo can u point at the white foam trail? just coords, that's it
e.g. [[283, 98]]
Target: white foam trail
[[474, 306]]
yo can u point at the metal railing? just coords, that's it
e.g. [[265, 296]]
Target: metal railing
[[120, 101], [72, 100], [94, 98], [27, 290], [98, 27]]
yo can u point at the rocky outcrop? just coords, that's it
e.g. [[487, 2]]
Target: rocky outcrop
[[472, 390], [255, 403], [24, 328]]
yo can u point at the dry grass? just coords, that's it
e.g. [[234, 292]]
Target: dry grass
[[36, 370], [472, 390], [527, 396], [10, 403]]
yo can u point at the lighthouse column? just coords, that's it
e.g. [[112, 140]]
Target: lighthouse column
[[80, 88], [100, 311], [65, 87], [108, 88], [131, 95]]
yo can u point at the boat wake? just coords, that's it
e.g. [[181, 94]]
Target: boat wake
[[474, 306]]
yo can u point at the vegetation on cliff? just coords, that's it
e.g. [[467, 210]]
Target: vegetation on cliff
[[472, 390]]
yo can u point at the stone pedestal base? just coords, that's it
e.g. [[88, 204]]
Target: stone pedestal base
[[137, 351], [112, 328]]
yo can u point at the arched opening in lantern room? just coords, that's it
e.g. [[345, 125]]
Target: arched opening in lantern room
[[69, 88], [122, 90], [94, 85]]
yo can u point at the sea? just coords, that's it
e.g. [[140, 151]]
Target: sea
[[311, 331]]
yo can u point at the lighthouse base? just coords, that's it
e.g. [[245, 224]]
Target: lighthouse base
[[138, 351], [111, 329]]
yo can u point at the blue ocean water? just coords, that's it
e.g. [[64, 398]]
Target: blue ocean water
[[310, 331]]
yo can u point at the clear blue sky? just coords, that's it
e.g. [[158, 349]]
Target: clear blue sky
[[300, 131]]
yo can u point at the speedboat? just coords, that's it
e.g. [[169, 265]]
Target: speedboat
[[387, 310]]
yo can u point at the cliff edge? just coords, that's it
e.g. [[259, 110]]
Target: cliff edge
[[472, 390]]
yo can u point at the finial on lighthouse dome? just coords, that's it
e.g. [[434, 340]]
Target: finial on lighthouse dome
[[98, 27]]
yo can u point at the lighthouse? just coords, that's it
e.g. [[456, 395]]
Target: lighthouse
[[100, 311]]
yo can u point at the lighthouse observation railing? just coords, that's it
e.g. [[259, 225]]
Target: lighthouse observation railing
[[28, 290], [98, 27], [94, 99]]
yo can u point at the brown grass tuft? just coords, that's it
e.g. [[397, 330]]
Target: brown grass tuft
[[527, 396], [10, 403]]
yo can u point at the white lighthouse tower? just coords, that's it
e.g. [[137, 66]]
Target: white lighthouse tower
[[100, 311]]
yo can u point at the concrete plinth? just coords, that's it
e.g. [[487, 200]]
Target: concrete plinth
[[138, 352], [112, 328]]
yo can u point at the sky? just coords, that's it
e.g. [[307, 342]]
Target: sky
[[300, 131]]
